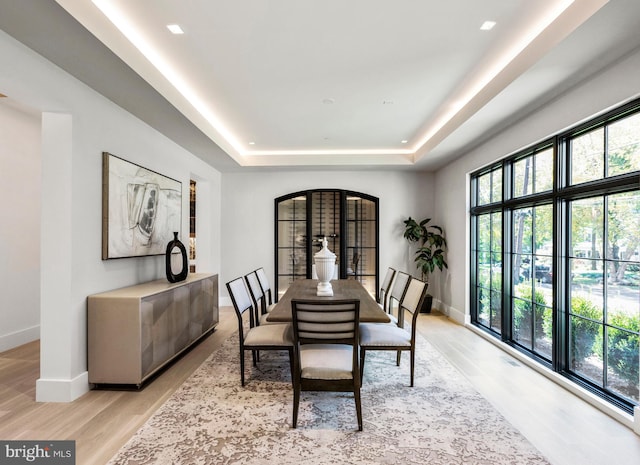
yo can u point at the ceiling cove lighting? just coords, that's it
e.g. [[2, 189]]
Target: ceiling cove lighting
[[132, 34], [484, 79], [175, 28], [333, 152], [129, 30]]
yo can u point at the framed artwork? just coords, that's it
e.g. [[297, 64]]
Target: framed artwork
[[141, 209]]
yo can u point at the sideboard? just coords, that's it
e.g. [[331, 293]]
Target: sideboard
[[134, 331]]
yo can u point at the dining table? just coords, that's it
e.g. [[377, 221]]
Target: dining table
[[305, 289]]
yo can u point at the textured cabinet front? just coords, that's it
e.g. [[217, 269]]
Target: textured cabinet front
[[202, 296], [134, 331]]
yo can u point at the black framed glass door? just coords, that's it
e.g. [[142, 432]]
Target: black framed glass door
[[349, 221]]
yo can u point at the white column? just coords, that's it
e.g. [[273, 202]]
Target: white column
[[59, 378]]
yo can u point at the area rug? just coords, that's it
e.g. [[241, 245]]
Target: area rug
[[211, 419]]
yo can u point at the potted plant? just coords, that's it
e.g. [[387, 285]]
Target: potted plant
[[430, 252]]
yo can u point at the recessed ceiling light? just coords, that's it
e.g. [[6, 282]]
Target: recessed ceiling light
[[479, 83], [487, 25], [404, 141], [252, 143], [175, 29], [170, 72]]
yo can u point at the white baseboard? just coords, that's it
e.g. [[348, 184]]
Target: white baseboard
[[62, 390], [452, 312], [18, 338]]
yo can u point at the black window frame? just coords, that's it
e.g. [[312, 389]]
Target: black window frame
[[560, 197]]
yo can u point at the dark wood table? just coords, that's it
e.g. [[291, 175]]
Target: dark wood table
[[370, 311]]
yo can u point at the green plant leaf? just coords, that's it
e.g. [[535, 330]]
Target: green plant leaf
[[430, 253]]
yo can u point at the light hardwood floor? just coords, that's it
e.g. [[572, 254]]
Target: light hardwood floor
[[563, 427]]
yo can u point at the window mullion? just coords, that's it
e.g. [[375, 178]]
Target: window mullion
[[507, 234]]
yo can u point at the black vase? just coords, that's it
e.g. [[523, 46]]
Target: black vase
[[174, 278]]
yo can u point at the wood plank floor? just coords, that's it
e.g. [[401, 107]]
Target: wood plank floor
[[564, 428]]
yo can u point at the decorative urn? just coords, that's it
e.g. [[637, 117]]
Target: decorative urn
[[325, 262]]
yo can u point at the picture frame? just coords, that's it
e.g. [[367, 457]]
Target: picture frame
[[141, 209]]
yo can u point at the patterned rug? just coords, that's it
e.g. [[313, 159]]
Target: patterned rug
[[441, 420]]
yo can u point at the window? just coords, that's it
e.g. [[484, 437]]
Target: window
[[534, 173], [606, 151], [556, 253], [623, 155], [489, 270], [605, 291], [489, 187], [532, 265]]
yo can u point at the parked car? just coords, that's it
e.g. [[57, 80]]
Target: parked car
[[542, 273]]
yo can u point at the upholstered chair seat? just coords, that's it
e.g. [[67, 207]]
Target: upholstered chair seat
[[375, 334], [326, 361], [274, 334]]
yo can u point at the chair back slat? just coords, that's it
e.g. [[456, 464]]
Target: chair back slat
[[241, 299], [264, 284], [400, 284], [414, 295], [388, 278], [254, 285], [257, 294], [333, 321], [386, 287]]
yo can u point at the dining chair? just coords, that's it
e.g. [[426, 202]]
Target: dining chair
[[266, 288], [400, 284], [326, 349], [375, 336], [258, 297], [256, 338], [386, 287]]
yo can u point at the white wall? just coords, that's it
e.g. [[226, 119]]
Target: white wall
[[248, 213], [77, 126], [618, 84], [20, 226]]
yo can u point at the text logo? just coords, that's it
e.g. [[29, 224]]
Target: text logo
[[38, 452]]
